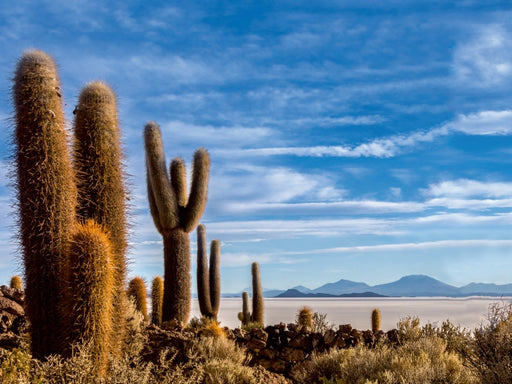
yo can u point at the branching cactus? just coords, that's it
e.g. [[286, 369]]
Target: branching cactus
[[375, 320], [157, 300], [137, 291], [46, 195], [99, 177], [257, 295], [92, 283], [208, 279], [175, 215], [16, 282]]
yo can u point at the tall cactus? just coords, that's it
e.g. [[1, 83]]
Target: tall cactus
[[92, 282], [46, 194], [99, 173], [157, 300], [257, 294], [175, 216], [208, 279]]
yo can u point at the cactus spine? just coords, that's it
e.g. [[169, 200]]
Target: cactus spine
[[46, 194], [157, 299], [208, 279], [375, 320], [92, 283], [99, 175], [175, 217], [257, 294], [16, 282], [137, 291]]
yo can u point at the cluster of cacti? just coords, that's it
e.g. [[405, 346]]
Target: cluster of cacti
[[375, 320], [16, 282], [175, 215], [305, 318], [257, 300], [157, 300], [71, 216], [137, 292], [208, 278]]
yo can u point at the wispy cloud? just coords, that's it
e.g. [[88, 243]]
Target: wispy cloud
[[470, 188], [481, 123]]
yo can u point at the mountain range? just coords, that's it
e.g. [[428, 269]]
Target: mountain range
[[407, 286]]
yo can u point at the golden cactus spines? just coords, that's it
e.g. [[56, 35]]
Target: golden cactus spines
[[376, 320], [16, 282], [215, 276], [208, 278], [91, 292], [46, 194], [98, 162], [175, 216], [305, 318], [137, 291], [257, 295], [157, 299]]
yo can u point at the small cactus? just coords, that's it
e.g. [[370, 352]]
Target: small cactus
[[157, 298], [137, 291], [375, 320], [245, 315], [16, 282], [257, 295], [305, 318], [89, 303]]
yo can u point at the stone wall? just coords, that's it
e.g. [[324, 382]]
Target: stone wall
[[279, 347], [12, 317]]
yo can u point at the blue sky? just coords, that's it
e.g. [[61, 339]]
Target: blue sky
[[347, 139]]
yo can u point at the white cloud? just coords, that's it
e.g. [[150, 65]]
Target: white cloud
[[486, 59], [470, 188], [484, 123]]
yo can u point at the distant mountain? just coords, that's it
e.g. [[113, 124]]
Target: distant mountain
[[487, 289], [416, 285], [291, 293], [302, 289], [341, 287]]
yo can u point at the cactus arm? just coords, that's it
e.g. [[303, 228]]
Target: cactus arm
[[163, 195], [179, 181], [153, 209], [203, 285], [257, 294], [246, 314], [215, 276], [198, 190]]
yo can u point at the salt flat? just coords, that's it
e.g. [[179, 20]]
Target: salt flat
[[468, 312]]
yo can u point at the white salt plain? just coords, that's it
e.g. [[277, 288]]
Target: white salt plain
[[467, 312]]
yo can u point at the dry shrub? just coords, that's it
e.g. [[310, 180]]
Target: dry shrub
[[491, 354], [423, 360]]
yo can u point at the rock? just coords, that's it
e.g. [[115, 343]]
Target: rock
[[393, 336], [345, 328], [240, 334], [292, 354], [268, 353], [273, 365], [17, 295], [302, 341], [329, 337], [256, 344], [317, 340], [369, 338], [281, 326], [259, 334], [10, 306], [293, 327]]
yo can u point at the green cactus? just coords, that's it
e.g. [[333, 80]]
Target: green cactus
[[375, 320], [99, 173], [175, 217], [208, 279], [257, 295], [46, 195], [92, 284], [137, 291], [16, 282], [157, 299]]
